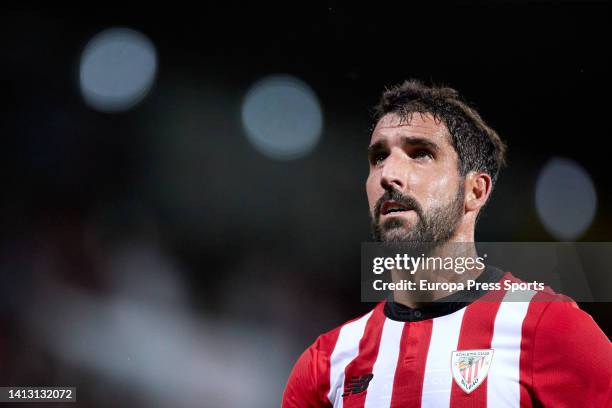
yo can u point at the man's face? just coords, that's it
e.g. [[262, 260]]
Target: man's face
[[415, 191]]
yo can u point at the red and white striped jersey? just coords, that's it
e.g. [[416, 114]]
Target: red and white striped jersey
[[540, 353]]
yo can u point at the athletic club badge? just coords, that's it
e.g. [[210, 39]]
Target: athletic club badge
[[470, 368]]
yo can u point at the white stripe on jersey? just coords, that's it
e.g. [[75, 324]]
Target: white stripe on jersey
[[347, 348], [381, 387], [438, 378], [504, 373]]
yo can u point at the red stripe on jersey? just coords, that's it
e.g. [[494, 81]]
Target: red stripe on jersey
[[408, 382], [355, 374], [534, 312], [476, 333]]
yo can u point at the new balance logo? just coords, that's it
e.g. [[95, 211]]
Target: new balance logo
[[357, 384]]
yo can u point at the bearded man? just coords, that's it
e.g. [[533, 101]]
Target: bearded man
[[433, 165]]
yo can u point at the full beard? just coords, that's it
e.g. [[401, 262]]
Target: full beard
[[437, 226]]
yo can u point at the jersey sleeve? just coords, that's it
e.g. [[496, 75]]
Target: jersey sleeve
[[301, 386], [305, 387], [572, 359]]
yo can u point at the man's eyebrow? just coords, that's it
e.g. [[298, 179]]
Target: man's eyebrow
[[419, 141], [377, 147], [406, 140]]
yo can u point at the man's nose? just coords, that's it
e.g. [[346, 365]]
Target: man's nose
[[394, 173]]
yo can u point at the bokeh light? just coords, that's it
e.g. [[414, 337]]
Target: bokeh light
[[117, 69], [282, 117], [565, 198]]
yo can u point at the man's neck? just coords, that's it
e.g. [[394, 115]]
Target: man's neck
[[451, 250]]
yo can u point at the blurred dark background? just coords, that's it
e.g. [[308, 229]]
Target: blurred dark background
[[155, 251]]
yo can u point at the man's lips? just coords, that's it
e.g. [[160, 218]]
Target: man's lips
[[392, 207]]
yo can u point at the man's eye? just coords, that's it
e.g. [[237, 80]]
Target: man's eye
[[378, 159], [423, 153]]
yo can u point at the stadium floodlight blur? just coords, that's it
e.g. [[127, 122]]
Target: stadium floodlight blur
[[282, 117], [117, 69], [565, 197]]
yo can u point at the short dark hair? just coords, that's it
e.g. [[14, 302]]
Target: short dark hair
[[478, 146]]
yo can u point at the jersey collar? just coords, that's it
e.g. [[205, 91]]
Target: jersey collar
[[444, 306]]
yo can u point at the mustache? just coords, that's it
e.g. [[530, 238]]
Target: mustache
[[394, 195]]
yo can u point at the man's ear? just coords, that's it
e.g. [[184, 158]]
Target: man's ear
[[477, 190]]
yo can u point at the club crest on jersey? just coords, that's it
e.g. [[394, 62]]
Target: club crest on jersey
[[470, 368]]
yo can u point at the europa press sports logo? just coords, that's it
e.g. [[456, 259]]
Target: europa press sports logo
[[470, 367]]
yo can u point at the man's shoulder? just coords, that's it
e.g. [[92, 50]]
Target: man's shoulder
[[561, 314], [551, 313], [327, 341]]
